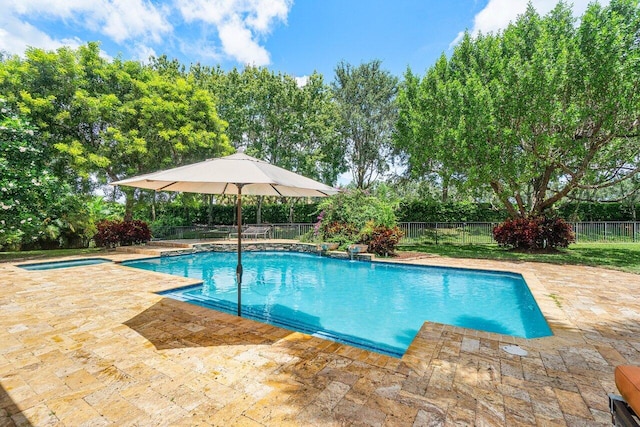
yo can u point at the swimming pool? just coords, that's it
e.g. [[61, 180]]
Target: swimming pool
[[378, 306]]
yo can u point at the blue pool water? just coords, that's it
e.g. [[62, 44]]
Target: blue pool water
[[63, 264], [378, 306]]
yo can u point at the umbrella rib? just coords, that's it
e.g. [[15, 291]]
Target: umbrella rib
[[276, 190], [165, 186]]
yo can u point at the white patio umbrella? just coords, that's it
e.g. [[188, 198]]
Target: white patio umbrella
[[235, 174]]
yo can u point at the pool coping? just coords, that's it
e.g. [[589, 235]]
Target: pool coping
[[64, 261]]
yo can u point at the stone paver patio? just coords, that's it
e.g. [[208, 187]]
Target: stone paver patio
[[96, 346]]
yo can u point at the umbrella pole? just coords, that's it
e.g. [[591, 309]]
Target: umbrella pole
[[239, 267]]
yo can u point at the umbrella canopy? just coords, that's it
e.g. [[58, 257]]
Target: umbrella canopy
[[222, 176], [235, 174]]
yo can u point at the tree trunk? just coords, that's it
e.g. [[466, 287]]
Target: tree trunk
[[129, 194], [153, 206], [259, 210], [445, 189], [291, 211]]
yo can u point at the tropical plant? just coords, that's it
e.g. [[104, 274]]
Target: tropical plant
[[352, 216], [113, 233], [380, 239], [534, 233], [357, 207]]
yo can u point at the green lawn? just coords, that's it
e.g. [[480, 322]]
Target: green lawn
[[26, 255], [618, 256]]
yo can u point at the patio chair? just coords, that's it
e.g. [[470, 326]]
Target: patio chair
[[255, 232], [624, 408]]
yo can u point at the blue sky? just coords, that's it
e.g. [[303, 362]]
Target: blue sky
[[292, 36]]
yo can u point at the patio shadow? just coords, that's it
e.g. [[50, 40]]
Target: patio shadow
[[175, 324], [9, 407]]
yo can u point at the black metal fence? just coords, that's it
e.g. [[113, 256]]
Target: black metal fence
[[278, 231], [477, 233]]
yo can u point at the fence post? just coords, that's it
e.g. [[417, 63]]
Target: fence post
[[436, 233]]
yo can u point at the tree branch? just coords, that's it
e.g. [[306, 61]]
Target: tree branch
[[611, 183], [499, 190]]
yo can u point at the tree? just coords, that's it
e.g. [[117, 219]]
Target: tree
[[274, 118], [41, 87], [414, 98], [28, 188], [105, 120], [537, 112], [365, 96]]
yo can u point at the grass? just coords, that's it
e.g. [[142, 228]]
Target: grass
[[617, 256], [26, 255]]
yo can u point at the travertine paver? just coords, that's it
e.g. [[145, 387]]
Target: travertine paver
[[96, 346]]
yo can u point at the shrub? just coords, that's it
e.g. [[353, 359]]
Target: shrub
[[352, 216], [123, 233], [383, 240], [342, 233], [358, 207], [534, 233]]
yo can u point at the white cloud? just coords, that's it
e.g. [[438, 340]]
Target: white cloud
[[142, 53], [16, 36], [231, 29], [240, 23], [302, 81], [120, 20], [263, 13], [237, 41], [125, 19], [497, 14], [201, 48]]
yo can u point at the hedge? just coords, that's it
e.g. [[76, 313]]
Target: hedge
[[414, 211]]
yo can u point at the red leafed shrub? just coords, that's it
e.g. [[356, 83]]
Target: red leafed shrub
[[383, 240], [123, 233], [534, 233]]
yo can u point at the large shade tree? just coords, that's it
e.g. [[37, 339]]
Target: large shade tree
[[107, 119], [365, 96], [274, 117], [277, 118], [546, 108]]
